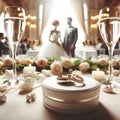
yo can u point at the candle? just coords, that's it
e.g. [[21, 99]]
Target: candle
[[29, 70], [98, 75]]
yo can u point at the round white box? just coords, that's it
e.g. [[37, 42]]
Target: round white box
[[70, 99]]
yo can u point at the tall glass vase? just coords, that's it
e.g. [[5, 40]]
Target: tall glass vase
[[14, 23], [109, 26]]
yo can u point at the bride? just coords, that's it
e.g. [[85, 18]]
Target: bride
[[54, 47]]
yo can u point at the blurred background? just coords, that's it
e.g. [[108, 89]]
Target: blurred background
[[41, 13]]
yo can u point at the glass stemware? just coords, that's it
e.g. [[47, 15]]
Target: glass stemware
[[109, 27], [14, 23]]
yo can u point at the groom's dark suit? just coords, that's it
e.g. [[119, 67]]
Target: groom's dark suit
[[70, 38]]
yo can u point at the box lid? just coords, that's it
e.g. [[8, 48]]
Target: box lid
[[51, 83]]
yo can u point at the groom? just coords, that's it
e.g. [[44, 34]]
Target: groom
[[70, 38]]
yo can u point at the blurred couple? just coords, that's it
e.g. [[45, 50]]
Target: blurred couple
[[57, 48]]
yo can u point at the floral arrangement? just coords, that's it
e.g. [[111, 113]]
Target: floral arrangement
[[61, 65]]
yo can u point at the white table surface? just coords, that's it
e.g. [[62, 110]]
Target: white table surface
[[16, 108]]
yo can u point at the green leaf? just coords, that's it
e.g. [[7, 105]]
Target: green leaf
[[51, 60], [93, 67], [76, 62], [88, 60]]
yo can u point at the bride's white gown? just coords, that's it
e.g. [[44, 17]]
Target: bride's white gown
[[52, 49]]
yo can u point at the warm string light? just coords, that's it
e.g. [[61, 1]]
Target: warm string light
[[94, 25], [105, 15], [31, 21], [94, 19]]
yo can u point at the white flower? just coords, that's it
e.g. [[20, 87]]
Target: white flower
[[114, 62], [94, 60], [1, 64], [8, 61], [76, 72], [73, 60], [116, 72], [18, 60], [67, 63], [84, 66], [46, 72], [23, 61], [56, 68], [39, 76], [102, 61], [27, 61], [9, 73], [42, 62]]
